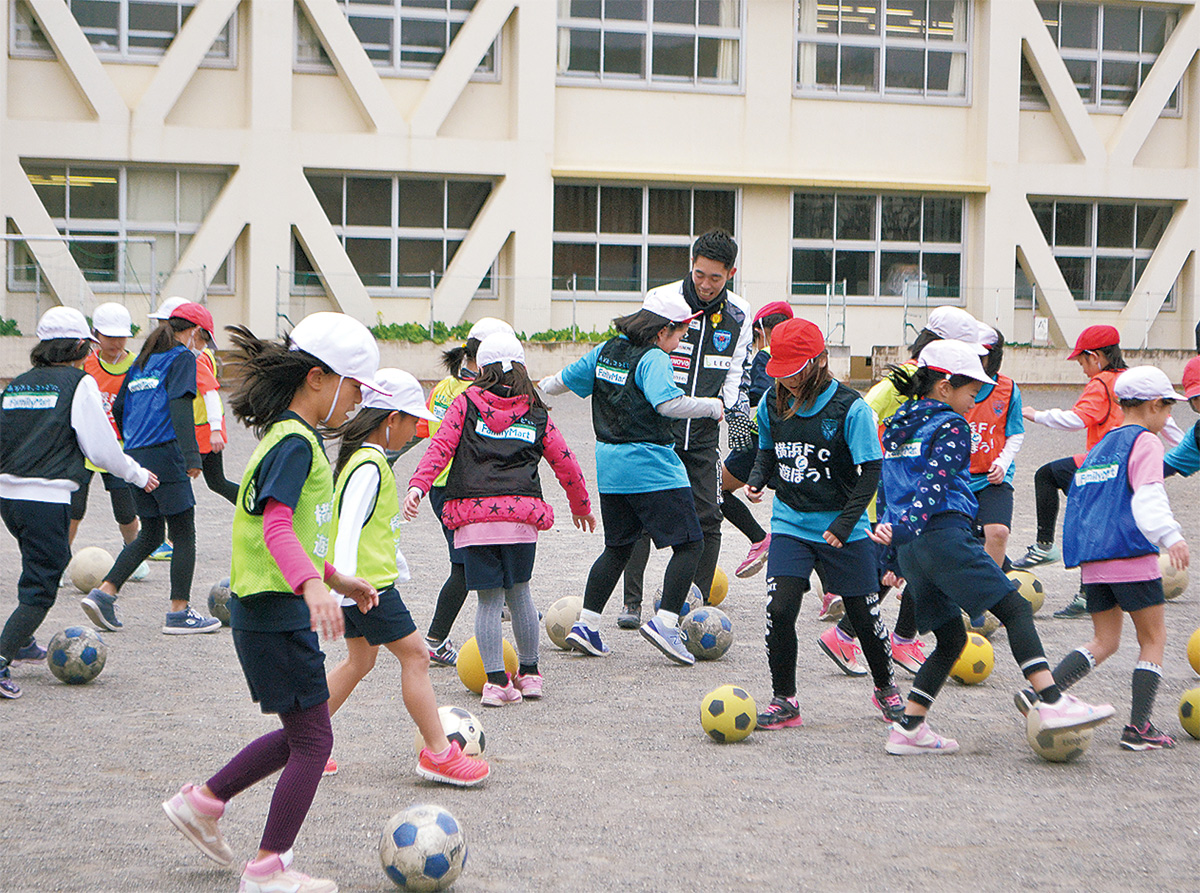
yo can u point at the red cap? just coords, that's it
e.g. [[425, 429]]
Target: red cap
[[774, 307], [1191, 378], [195, 313], [793, 344], [1093, 337]]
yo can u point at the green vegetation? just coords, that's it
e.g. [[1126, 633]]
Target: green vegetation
[[9, 327], [415, 333]]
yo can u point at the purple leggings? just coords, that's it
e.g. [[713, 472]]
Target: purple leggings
[[300, 749]]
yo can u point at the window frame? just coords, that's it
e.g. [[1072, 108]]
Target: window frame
[[1098, 55], [395, 69], [878, 246], [647, 28], [122, 54], [880, 42], [643, 240], [1094, 252], [394, 232], [122, 228]]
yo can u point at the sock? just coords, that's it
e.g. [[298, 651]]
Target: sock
[[499, 678], [203, 803], [1050, 694], [590, 619], [433, 643], [902, 640], [1073, 667], [910, 723], [528, 670], [441, 757], [842, 636], [668, 618], [268, 864], [1146, 677]]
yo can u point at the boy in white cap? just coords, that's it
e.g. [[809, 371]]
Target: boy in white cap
[[51, 418], [1117, 519]]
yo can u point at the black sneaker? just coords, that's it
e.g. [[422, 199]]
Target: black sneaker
[[1038, 553], [1077, 608], [781, 713], [1025, 699], [1146, 738], [630, 617]]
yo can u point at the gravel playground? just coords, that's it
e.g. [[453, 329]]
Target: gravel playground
[[608, 783]]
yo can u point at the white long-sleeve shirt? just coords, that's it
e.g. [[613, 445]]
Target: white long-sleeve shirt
[[99, 444], [358, 499]]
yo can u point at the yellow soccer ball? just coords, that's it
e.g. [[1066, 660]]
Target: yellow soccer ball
[[976, 661], [1030, 588], [720, 588], [1174, 581], [470, 664], [1189, 712], [728, 714], [1193, 651]]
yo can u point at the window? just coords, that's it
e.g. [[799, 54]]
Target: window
[[631, 238], [874, 244], [119, 30], [397, 231], [117, 211], [399, 36], [1108, 51], [916, 49], [1101, 247], [657, 42]]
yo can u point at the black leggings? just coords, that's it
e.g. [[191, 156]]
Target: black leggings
[[784, 595], [213, 467], [607, 569], [1017, 616], [449, 602], [1048, 481], [121, 498], [906, 620], [182, 529]]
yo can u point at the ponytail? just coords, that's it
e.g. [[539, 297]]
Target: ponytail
[[355, 432], [514, 383], [916, 383], [162, 339]]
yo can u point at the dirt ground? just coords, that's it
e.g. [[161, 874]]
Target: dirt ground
[[608, 782]]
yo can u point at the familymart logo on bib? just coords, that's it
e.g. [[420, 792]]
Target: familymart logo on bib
[[611, 374], [34, 398], [1097, 475], [516, 431]]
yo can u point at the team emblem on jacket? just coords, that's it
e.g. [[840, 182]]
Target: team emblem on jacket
[[997, 407], [828, 428], [721, 339]]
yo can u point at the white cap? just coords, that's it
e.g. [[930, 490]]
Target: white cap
[[988, 336], [502, 348], [1145, 383], [63, 322], [406, 394], [489, 325], [954, 358], [112, 320], [955, 323], [669, 304], [167, 307], [342, 343]]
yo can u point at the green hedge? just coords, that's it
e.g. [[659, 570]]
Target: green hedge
[[415, 333], [9, 327]]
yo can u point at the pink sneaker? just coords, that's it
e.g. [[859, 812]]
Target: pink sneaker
[[456, 769], [330, 768], [909, 655], [842, 652], [922, 739], [184, 811], [755, 559], [831, 607], [497, 696], [529, 686], [275, 873], [1068, 712]]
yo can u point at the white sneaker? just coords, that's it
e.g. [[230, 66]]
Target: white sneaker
[[197, 827], [141, 572], [1068, 712], [277, 876]]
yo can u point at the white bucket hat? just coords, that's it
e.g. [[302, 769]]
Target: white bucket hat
[[342, 343], [489, 325], [406, 394], [167, 307], [954, 358], [113, 320], [63, 322], [502, 348]]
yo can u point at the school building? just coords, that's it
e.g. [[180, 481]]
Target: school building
[[549, 160]]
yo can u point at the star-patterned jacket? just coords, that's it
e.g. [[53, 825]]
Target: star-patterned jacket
[[500, 414]]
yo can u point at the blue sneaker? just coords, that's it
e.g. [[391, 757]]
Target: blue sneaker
[[587, 641], [162, 553], [8, 688], [668, 640], [31, 653], [101, 609], [187, 622]]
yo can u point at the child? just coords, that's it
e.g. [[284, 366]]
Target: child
[[928, 522], [736, 469], [884, 399], [1117, 517], [51, 417], [154, 412], [498, 430], [281, 530], [818, 447], [211, 435], [643, 484], [159, 317], [460, 363], [997, 432], [111, 328], [366, 543]]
